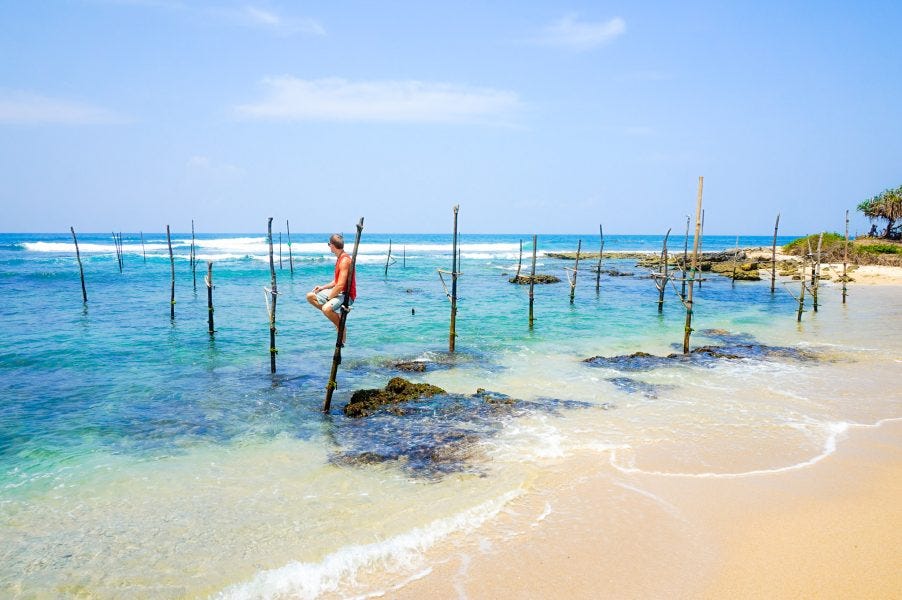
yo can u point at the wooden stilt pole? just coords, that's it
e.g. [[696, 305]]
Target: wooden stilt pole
[[290, 257], [598, 266], [388, 258], [687, 330], [273, 292], [532, 280], [172, 266], [404, 256], [452, 334], [81, 271], [773, 257], [662, 275], [579, 247], [118, 251], [685, 261], [143, 252], [701, 237], [519, 262], [735, 264], [193, 258], [802, 290], [845, 259], [342, 323], [209, 282], [816, 272]]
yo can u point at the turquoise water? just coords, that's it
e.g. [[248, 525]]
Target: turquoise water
[[140, 455]]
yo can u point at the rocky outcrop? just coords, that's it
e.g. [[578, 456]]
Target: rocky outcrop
[[398, 389]]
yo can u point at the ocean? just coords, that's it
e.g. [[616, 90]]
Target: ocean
[[142, 457]]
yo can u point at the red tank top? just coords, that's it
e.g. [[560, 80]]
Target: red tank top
[[350, 275]]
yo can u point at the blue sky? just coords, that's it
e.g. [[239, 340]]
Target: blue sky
[[533, 116]]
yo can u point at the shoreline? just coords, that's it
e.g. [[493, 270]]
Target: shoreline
[[829, 530]]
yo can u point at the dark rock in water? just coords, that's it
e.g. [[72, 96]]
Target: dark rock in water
[[634, 386], [616, 273], [726, 336], [637, 361], [527, 279], [365, 402], [411, 366]]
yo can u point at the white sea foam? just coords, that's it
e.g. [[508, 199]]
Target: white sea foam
[[404, 551], [833, 431]]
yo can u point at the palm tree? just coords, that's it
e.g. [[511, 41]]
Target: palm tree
[[885, 205]]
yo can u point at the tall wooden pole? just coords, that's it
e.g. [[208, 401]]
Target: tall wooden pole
[[118, 251], [661, 280], [687, 330], [454, 266], [532, 280], [802, 290], [735, 264], [209, 282], [143, 251], [685, 261], [404, 256], [816, 272], [193, 258], [845, 259], [773, 256], [701, 237], [81, 271], [519, 262], [290, 258], [579, 247], [388, 258], [273, 292], [342, 323], [598, 266], [172, 266]]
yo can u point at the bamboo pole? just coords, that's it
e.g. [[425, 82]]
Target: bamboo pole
[[773, 256], [193, 258], [143, 251], [532, 281], [802, 290], [342, 323], [685, 261], [118, 251], [598, 266], [701, 237], [735, 264], [81, 271], [579, 246], [519, 261], [687, 331], [172, 266], [663, 276], [388, 258], [404, 256], [290, 257], [816, 272], [454, 266], [209, 282], [845, 259], [273, 292]]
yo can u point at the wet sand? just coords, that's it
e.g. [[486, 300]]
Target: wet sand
[[584, 529]]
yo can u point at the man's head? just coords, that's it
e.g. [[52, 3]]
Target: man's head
[[337, 241]]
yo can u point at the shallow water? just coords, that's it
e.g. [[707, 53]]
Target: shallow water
[[138, 456]]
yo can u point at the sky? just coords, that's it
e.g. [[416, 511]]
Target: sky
[[534, 117]]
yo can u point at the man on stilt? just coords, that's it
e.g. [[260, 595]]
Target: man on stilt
[[329, 298]]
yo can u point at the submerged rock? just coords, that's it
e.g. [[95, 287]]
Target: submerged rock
[[637, 361], [527, 279], [634, 386], [398, 389]]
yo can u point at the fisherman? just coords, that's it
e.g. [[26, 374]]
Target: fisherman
[[329, 297]]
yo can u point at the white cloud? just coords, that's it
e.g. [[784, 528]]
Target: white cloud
[[253, 16], [569, 32], [29, 108], [292, 99]]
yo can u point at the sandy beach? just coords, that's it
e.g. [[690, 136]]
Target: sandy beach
[[829, 530]]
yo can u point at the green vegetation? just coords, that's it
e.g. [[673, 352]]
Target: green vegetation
[[887, 205], [831, 247], [880, 249]]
